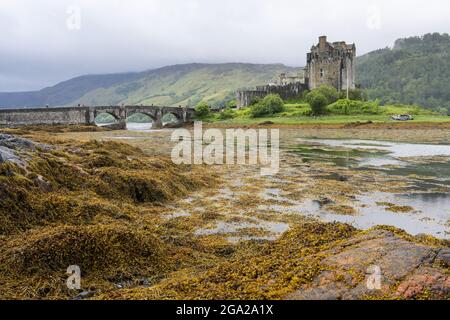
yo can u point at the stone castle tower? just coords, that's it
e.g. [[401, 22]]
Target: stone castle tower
[[331, 64]]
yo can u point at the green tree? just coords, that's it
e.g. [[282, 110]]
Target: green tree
[[227, 113], [202, 109], [273, 102], [330, 93], [317, 102], [269, 105], [415, 71], [260, 110], [443, 111]]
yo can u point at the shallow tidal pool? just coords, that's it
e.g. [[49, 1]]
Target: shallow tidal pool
[[364, 182], [424, 204]]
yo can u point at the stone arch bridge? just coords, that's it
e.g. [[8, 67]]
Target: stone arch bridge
[[86, 115]]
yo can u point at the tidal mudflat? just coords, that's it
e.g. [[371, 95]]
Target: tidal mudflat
[[338, 205], [358, 181]]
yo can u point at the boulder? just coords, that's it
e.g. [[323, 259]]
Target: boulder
[[7, 154], [16, 143], [407, 270]]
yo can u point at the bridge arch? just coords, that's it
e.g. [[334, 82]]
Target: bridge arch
[[140, 120], [105, 117], [170, 117], [134, 115]]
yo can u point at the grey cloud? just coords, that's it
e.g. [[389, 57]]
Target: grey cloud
[[37, 49]]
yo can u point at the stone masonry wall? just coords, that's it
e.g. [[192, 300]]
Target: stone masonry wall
[[87, 115], [76, 115], [289, 91]]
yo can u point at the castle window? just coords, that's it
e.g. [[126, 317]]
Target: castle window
[[321, 73]]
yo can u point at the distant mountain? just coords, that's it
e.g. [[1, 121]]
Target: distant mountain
[[64, 92], [174, 85], [416, 70]]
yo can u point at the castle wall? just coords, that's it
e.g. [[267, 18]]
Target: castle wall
[[244, 98], [289, 91], [324, 73]]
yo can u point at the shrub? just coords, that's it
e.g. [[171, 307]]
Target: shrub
[[202, 109], [273, 102], [330, 93], [301, 112], [339, 107], [344, 106], [260, 110], [227, 113], [231, 103], [317, 101], [270, 105], [372, 107], [444, 111], [255, 100]]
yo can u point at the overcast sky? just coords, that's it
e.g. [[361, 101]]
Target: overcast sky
[[43, 42]]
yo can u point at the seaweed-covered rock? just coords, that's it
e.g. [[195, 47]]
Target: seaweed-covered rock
[[12, 148], [108, 249], [16, 143], [406, 270], [7, 154]]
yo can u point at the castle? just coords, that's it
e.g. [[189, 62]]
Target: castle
[[331, 64]]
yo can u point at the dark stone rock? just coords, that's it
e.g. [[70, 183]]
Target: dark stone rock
[[13, 148], [443, 258], [7, 154], [265, 123], [42, 184], [174, 125], [84, 295], [144, 282], [322, 201], [16, 143], [407, 269]]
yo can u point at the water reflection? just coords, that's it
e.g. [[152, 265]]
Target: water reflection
[[135, 126]]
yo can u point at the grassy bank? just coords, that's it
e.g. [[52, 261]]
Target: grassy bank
[[320, 106], [332, 119], [297, 113]]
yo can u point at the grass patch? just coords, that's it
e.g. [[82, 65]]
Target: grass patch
[[340, 112]]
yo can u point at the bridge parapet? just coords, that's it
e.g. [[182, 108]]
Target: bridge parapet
[[87, 115]]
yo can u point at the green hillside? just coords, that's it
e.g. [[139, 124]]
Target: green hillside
[[186, 84], [64, 92], [415, 71], [172, 86]]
